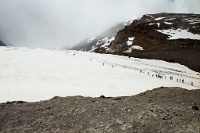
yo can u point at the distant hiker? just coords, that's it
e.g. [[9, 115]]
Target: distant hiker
[[148, 73], [152, 75], [192, 83], [140, 71], [112, 66], [90, 59], [182, 80], [171, 78], [103, 64], [176, 80], [160, 76]]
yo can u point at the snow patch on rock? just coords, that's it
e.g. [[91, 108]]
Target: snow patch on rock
[[167, 23], [180, 34], [137, 47], [107, 43], [130, 41], [160, 18], [127, 23]]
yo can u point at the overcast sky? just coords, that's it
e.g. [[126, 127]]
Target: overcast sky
[[60, 23]]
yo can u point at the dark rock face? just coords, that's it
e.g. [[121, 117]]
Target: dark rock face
[[2, 44], [146, 34], [156, 44], [186, 57], [163, 109]]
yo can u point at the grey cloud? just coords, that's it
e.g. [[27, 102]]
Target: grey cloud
[[60, 23]]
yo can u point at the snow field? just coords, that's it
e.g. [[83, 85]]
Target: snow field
[[38, 74]]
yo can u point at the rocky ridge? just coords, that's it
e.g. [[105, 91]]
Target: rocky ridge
[[153, 36], [148, 33], [159, 110]]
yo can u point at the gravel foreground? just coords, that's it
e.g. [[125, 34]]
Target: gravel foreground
[[161, 110]]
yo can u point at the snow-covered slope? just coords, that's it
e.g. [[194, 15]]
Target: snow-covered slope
[[150, 32], [38, 74], [102, 40]]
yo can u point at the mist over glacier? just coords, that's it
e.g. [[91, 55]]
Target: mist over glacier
[[63, 23]]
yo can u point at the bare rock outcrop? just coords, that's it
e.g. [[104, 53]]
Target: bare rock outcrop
[[158, 110]]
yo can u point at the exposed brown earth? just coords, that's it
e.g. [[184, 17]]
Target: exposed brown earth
[[146, 35], [161, 110], [157, 45]]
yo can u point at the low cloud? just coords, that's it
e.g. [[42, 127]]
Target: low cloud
[[63, 23]]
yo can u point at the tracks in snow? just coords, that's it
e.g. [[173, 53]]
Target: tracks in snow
[[155, 71]]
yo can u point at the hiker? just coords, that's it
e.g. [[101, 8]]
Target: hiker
[[159, 76]]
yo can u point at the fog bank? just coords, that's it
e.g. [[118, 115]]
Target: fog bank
[[63, 23]]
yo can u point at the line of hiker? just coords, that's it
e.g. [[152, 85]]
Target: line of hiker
[[157, 75], [163, 76]]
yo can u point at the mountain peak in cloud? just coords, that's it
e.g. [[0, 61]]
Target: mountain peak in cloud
[[55, 24]]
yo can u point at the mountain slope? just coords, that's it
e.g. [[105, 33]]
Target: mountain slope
[[2, 44], [166, 36], [165, 31], [91, 44]]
